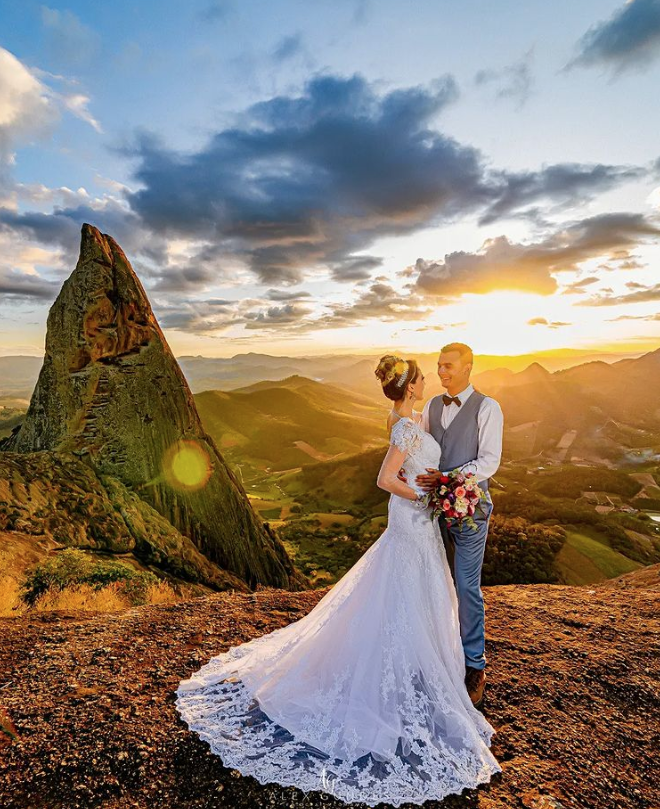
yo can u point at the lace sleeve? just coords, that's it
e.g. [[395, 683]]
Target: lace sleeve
[[404, 435]]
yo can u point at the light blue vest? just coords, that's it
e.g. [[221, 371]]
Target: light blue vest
[[460, 441]]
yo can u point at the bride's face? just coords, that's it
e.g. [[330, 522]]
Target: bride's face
[[417, 387]]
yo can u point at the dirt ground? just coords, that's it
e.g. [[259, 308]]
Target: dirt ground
[[573, 694]]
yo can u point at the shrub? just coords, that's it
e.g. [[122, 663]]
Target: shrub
[[71, 567]]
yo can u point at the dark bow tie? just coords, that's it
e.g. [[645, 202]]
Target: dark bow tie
[[449, 399]]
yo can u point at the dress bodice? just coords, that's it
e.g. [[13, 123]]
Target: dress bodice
[[422, 448]]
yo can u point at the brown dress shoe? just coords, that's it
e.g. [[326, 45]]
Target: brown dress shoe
[[475, 682]]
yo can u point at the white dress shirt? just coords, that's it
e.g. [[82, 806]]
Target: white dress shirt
[[490, 423]]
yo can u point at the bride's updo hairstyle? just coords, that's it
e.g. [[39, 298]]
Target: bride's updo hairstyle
[[394, 374]]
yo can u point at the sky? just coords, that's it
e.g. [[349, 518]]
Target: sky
[[346, 176]]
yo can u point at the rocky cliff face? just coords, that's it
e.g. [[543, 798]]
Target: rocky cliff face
[[51, 500], [111, 392]]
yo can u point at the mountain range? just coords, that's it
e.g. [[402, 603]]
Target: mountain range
[[18, 374]]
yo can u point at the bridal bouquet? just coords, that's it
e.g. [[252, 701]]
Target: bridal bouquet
[[455, 498]]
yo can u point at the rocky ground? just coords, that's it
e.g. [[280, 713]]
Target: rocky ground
[[573, 678]]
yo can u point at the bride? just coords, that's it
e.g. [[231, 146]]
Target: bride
[[364, 697]]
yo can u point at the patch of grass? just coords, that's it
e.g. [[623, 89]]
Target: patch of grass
[[112, 597], [584, 560], [270, 513], [73, 568], [576, 568], [11, 604]]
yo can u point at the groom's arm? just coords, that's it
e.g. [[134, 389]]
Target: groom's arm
[[490, 421]]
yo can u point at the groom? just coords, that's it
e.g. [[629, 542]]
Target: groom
[[468, 426]]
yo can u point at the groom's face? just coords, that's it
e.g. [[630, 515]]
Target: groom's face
[[453, 372]]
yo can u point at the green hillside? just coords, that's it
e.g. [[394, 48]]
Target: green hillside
[[546, 526], [278, 426], [583, 560]]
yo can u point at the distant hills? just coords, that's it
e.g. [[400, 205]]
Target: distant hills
[[596, 412], [18, 374], [292, 422]]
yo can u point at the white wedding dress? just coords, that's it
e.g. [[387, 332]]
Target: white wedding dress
[[363, 697]]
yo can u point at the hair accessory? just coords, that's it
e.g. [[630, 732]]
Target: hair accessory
[[400, 368], [404, 376]]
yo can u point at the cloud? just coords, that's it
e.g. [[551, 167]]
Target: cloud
[[196, 316], [287, 48], [28, 112], [643, 295], [77, 103], [542, 321], [275, 317], [651, 318], [565, 184], [578, 287], [513, 81], [280, 295], [61, 228], [20, 277], [18, 286], [69, 41], [216, 10], [380, 302], [301, 185], [219, 315], [188, 278], [501, 264], [307, 183], [629, 40], [625, 261], [356, 268], [294, 312]]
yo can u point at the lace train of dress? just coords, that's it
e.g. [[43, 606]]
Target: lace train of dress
[[363, 697]]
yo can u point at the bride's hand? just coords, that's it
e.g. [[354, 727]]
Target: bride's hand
[[430, 481]]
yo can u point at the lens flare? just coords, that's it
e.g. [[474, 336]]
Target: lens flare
[[187, 466]]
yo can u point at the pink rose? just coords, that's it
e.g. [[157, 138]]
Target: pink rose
[[446, 505], [460, 492]]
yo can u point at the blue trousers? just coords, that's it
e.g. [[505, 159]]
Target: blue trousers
[[465, 552]]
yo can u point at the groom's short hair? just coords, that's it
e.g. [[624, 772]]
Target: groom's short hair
[[465, 352]]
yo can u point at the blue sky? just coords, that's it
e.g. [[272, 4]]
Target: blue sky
[[303, 177]]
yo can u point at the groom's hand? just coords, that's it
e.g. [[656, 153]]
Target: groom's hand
[[401, 476], [430, 480]]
